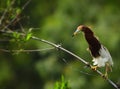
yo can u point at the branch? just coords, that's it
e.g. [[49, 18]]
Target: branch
[[5, 12], [61, 48], [77, 57], [66, 51], [15, 15], [23, 50]]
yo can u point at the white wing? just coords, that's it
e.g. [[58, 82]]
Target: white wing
[[104, 57]]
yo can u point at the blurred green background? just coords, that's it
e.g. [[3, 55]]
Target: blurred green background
[[55, 21]]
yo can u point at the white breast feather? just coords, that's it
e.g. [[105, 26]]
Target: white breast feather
[[104, 58]]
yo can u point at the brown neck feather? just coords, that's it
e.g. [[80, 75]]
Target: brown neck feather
[[94, 44]]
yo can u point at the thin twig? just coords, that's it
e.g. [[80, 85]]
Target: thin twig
[[23, 50], [16, 16], [3, 16], [24, 6]]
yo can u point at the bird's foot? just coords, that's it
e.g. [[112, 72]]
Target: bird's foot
[[94, 68], [105, 76]]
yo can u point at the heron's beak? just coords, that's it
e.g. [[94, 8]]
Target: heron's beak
[[75, 33]]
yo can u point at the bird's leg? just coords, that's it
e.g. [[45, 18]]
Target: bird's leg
[[94, 68], [107, 68]]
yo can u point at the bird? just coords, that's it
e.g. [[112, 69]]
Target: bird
[[100, 54]]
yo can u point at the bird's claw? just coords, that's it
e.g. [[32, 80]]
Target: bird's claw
[[94, 68], [105, 76]]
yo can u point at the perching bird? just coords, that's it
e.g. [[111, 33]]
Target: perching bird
[[100, 54]]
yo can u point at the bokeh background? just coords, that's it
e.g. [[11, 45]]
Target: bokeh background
[[55, 21]]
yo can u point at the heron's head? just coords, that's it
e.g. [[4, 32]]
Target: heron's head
[[82, 28]]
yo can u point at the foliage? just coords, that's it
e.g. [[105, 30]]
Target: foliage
[[55, 20], [62, 84]]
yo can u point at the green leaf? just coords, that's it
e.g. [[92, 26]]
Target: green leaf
[[16, 35], [28, 36], [62, 85]]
